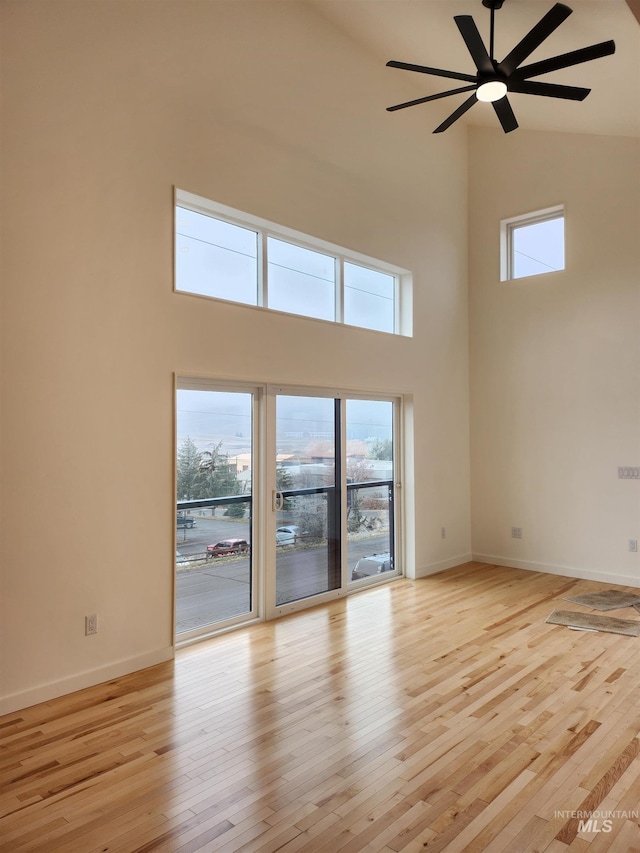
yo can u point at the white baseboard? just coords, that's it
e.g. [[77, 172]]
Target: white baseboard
[[550, 569], [434, 568], [45, 692]]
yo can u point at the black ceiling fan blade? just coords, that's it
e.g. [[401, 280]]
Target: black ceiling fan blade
[[565, 60], [430, 98], [548, 90], [505, 114], [456, 115], [534, 38], [474, 43], [438, 72]]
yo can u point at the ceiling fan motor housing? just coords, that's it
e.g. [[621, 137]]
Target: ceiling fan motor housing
[[493, 4]]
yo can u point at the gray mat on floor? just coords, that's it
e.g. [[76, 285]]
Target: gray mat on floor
[[608, 599], [593, 622]]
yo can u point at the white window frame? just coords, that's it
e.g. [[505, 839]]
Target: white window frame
[[514, 223], [403, 279]]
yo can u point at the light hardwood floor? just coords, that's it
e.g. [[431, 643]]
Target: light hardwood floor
[[440, 715]]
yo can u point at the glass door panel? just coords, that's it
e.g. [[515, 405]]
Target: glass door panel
[[308, 510], [370, 488], [214, 579]]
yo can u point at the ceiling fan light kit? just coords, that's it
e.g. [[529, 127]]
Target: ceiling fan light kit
[[493, 80], [491, 90]]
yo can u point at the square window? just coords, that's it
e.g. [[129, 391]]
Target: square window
[[532, 244]]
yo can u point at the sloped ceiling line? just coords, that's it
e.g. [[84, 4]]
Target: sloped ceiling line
[[634, 5]]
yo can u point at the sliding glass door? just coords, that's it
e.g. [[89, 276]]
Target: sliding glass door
[[335, 497], [316, 520]]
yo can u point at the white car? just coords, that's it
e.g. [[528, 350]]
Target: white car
[[288, 534], [375, 564], [285, 537]]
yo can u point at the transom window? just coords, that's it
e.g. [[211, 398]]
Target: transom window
[[300, 280], [532, 244], [215, 258], [223, 253]]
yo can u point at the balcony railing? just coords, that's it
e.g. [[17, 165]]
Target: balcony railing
[[215, 585], [370, 514]]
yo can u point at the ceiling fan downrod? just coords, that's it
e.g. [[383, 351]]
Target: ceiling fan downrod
[[493, 5]]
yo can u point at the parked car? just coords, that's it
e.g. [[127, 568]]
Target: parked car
[[288, 534], [284, 537], [375, 564], [185, 520], [227, 546]]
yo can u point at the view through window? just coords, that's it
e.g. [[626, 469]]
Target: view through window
[[370, 488], [222, 253], [533, 244], [214, 507], [332, 520]]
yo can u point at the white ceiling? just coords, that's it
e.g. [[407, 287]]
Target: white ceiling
[[424, 32]]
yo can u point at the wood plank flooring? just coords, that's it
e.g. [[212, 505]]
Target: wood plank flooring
[[441, 714]]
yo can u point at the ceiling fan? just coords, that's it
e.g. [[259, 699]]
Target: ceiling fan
[[494, 79]]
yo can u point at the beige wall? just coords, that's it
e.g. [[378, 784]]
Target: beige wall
[[258, 105], [555, 390]]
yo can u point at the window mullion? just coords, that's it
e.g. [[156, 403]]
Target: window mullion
[[339, 290], [263, 266]]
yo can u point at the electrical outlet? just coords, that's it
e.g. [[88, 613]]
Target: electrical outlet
[[91, 624], [443, 532], [633, 544], [516, 533], [628, 472]]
